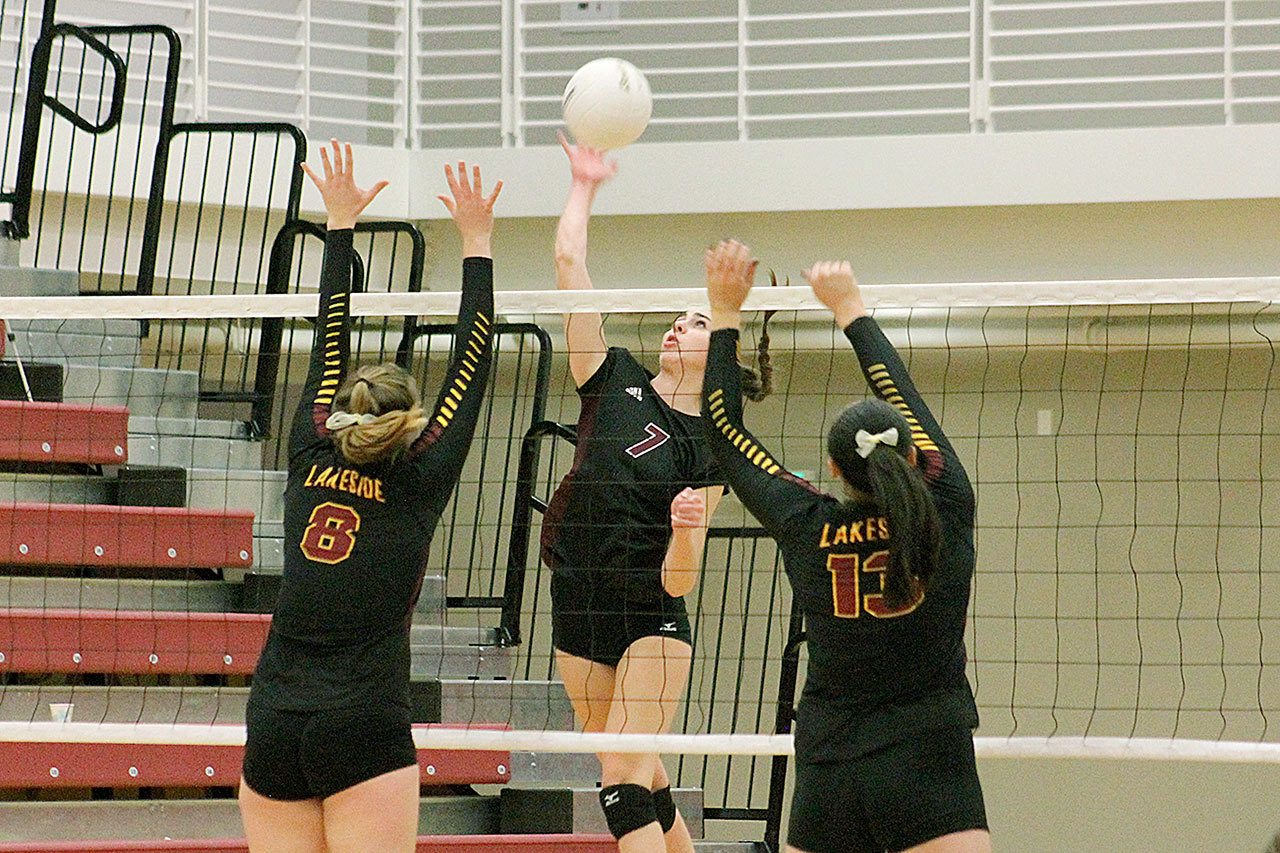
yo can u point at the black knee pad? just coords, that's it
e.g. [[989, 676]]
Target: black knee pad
[[665, 808], [627, 808]]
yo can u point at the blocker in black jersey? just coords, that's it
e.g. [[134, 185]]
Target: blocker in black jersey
[[885, 686], [608, 526], [357, 536]]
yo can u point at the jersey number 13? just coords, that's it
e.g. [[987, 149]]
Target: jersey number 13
[[847, 599], [331, 533]]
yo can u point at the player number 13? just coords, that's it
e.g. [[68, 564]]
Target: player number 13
[[331, 533], [847, 599]]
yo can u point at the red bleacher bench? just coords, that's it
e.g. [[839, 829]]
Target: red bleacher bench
[[129, 642], [426, 844], [125, 765], [125, 536], [63, 432]]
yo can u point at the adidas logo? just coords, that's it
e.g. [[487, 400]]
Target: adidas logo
[[635, 391]]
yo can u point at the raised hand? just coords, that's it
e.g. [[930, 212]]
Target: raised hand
[[688, 509], [588, 165], [342, 198], [731, 270], [834, 285], [471, 209]]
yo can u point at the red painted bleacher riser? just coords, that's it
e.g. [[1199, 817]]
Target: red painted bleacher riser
[[115, 765], [426, 844], [125, 536], [130, 642], [63, 432]]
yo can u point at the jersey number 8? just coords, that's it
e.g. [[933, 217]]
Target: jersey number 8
[[331, 533]]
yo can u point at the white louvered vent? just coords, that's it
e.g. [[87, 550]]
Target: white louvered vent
[[867, 67], [688, 51], [1255, 61], [483, 73], [1107, 63], [460, 73]]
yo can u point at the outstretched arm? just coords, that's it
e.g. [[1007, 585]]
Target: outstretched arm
[[834, 284], [584, 331], [442, 448], [771, 493], [330, 347]]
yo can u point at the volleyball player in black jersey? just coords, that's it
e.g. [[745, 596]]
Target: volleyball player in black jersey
[[330, 761], [884, 744], [624, 534]]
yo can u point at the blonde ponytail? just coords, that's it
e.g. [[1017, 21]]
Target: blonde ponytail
[[388, 392]]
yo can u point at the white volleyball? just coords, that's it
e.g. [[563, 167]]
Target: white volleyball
[[607, 103]]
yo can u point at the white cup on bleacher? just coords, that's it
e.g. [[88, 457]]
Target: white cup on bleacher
[[60, 712]]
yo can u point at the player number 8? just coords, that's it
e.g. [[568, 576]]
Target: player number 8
[[331, 533]]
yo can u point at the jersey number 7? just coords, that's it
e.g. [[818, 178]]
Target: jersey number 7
[[847, 599], [331, 533]]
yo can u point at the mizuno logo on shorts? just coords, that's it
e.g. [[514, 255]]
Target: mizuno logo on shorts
[[668, 626], [611, 799]]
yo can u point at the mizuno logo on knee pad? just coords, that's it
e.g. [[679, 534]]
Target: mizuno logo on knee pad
[[627, 808]]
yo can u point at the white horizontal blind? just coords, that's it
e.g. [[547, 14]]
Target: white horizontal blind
[[452, 73], [1254, 60], [852, 69], [459, 73], [688, 50], [1107, 63]]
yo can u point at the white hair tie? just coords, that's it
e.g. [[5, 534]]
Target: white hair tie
[[867, 441], [341, 420]]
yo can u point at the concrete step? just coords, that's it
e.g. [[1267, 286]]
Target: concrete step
[[161, 393], [461, 661], [206, 818], [257, 490], [26, 281], [534, 769], [188, 426], [184, 451], [577, 809], [123, 594], [56, 488], [106, 343], [521, 704], [195, 705]]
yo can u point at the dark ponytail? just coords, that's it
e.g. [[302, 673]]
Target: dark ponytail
[[898, 488], [758, 384]]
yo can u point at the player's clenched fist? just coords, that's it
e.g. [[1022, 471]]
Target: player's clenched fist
[[688, 509]]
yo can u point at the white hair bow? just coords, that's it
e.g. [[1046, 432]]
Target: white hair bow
[[341, 420], [867, 441]]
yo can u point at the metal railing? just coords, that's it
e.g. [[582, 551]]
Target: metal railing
[[389, 257]]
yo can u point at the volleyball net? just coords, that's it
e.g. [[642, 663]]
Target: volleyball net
[[1120, 436]]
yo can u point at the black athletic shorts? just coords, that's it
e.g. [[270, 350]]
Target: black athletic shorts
[[595, 623], [299, 755], [894, 798]]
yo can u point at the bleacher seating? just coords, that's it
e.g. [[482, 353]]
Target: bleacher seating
[[63, 432]]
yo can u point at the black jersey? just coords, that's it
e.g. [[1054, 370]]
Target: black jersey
[[611, 515], [356, 536], [876, 675]]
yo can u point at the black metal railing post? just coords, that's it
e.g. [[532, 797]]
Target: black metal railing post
[[19, 225], [782, 725]]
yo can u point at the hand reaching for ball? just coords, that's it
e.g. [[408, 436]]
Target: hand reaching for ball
[[588, 165]]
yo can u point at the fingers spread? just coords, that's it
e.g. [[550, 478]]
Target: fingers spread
[[497, 190]]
